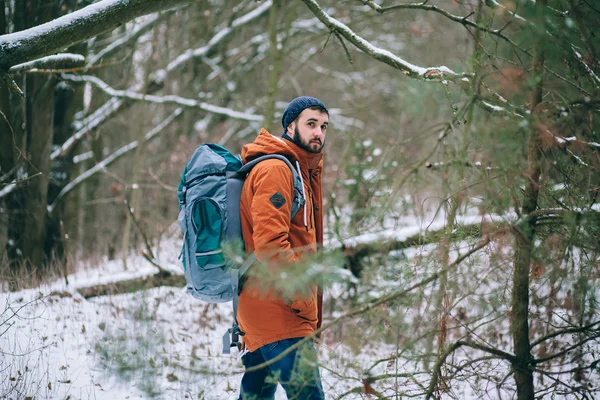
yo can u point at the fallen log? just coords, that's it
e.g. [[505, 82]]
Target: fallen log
[[134, 285]]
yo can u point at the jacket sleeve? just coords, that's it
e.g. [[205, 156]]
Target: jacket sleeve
[[270, 218]]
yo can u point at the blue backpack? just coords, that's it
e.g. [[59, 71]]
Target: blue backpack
[[209, 216]]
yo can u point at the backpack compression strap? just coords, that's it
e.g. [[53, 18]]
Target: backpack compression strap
[[235, 331]]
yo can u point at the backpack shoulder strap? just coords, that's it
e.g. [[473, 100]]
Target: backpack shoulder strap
[[298, 199]]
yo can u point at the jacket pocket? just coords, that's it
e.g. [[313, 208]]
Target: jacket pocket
[[305, 309]]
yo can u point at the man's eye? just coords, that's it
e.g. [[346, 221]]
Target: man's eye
[[311, 124], [324, 127]]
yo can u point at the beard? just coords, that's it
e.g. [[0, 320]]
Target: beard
[[307, 145]]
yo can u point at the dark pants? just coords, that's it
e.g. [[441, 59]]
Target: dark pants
[[297, 371]]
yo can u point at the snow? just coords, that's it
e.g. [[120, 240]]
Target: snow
[[82, 157], [63, 58], [408, 68], [164, 343], [167, 99], [14, 40]]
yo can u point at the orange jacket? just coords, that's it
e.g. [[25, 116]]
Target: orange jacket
[[264, 315]]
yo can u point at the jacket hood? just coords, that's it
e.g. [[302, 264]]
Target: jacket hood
[[265, 143]]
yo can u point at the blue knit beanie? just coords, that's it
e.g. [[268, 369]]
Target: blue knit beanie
[[298, 105]]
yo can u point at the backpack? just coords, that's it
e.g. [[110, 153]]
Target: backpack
[[209, 216]]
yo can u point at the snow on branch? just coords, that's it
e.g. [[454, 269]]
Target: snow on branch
[[61, 60], [587, 67], [113, 105], [430, 73], [11, 186], [113, 157], [168, 99], [159, 76], [492, 108], [54, 36], [440, 165], [89, 124]]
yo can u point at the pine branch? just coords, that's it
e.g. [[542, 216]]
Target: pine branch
[[377, 302]]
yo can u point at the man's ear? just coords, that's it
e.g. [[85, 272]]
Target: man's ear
[[290, 129]]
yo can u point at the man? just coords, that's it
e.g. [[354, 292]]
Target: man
[[271, 320]]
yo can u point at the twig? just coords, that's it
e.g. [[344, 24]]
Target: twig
[[148, 254], [12, 85], [337, 35], [168, 99], [326, 41]]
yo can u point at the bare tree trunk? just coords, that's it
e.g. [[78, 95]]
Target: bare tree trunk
[[277, 57], [63, 225], [524, 238], [138, 159], [40, 131], [441, 310]]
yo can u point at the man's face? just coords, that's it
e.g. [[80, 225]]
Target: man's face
[[308, 130]]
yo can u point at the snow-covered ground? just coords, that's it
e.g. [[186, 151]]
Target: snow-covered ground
[[162, 343], [159, 343]]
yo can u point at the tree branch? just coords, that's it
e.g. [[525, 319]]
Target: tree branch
[[431, 73], [90, 123], [85, 23], [168, 99], [63, 60], [132, 37], [455, 346], [110, 159], [456, 18]]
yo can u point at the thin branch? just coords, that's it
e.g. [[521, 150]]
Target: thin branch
[[62, 60], [110, 159], [441, 165], [456, 18], [168, 99], [148, 254], [337, 35], [431, 73], [564, 332], [9, 187], [455, 346], [132, 37], [90, 123], [567, 350]]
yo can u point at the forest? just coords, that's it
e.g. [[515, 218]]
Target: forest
[[461, 191]]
